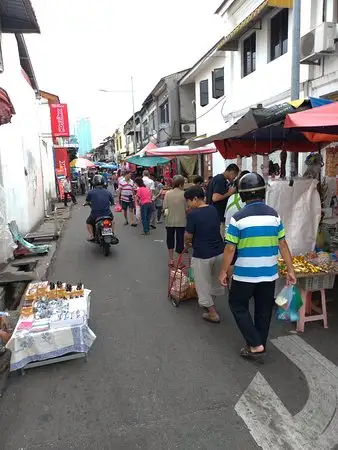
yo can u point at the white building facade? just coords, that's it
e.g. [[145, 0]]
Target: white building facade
[[27, 178], [256, 56]]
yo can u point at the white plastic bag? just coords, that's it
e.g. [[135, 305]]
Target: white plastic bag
[[138, 213]]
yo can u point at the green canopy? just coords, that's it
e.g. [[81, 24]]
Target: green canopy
[[148, 161]]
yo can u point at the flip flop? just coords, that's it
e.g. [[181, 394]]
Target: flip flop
[[248, 354], [91, 240], [208, 318]]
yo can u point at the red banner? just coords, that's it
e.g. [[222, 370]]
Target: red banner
[[62, 160], [59, 120]]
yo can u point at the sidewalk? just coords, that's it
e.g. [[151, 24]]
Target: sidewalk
[[48, 232]]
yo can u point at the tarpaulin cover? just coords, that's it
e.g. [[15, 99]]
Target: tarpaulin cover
[[318, 124], [147, 161], [181, 150], [300, 210]]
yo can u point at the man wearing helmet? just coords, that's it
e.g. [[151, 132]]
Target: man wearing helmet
[[101, 200], [257, 233]]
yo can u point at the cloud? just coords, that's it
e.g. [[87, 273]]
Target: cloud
[[85, 46]]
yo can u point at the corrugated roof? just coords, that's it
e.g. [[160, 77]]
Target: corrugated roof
[[17, 16]]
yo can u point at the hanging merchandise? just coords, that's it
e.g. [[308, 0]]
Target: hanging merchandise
[[314, 163], [331, 164]]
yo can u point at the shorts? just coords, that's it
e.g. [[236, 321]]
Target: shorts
[[91, 220], [127, 205]]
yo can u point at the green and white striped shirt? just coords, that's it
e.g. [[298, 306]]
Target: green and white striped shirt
[[234, 205]]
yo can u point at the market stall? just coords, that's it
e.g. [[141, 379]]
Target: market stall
[[53, 325], [307, 206]]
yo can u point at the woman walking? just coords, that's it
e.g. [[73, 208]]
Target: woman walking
[[144, 199], [175, 217]]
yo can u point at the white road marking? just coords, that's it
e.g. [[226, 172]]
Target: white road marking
[[316, 425]]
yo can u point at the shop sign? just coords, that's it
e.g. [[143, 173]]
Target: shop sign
[[281, 3], [59, 120]]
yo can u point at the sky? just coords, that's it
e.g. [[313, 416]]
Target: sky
[[88, 45]]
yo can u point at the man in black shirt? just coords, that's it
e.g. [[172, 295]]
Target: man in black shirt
[[220, 191]]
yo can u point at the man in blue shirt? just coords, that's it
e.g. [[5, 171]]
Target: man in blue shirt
[[258, 234], [101, 200], [202, 232]]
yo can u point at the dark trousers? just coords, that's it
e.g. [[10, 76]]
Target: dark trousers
[[146, 211], [159, 212], [67, 195], [175, 239], [255, 332]]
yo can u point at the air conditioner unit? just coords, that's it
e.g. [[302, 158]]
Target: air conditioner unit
[[319, 42], [188, 128]]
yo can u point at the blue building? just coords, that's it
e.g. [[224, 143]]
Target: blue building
[[83, 131]]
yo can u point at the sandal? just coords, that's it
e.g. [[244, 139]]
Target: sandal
[[91, 239], [248, 354], [213, 318]]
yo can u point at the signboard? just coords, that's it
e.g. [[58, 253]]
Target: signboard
[[59, 120], [281, 3]]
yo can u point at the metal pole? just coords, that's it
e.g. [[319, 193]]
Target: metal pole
[[295, 68], [134, 121]]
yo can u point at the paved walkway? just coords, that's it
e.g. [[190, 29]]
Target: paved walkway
[[157, 378]]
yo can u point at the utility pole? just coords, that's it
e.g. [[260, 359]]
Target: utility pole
[[295, 68], [134, 120]]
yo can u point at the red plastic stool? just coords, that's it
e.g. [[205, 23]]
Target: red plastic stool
[[307, 310]]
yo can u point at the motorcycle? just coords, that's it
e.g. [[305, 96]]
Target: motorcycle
[[104, 235]]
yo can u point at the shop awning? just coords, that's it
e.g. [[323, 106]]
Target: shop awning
[[17, 16], [258, 118], [181, 150], [147, 161], [230, 42], [317, 124]]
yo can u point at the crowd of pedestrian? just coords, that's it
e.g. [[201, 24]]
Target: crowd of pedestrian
[[235, 239]]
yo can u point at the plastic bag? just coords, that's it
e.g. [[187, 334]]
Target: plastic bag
[[289, 301], [118, 208], [138, 213]]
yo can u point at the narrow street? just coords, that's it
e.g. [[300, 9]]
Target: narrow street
[[156, 377]]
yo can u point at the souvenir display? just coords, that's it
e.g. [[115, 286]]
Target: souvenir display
[[53, 322]]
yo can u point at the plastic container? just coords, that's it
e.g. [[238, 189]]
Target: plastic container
[[318, 282]]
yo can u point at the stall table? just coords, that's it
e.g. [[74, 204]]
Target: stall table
[[32, 349]]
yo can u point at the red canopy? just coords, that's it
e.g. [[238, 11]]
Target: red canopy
[[181, 150], [317, 124]]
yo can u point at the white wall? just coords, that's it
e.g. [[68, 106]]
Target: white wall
[[47, 153], [20, 157]]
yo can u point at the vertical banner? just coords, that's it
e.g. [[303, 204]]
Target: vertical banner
[[59, 120], [62, 160]]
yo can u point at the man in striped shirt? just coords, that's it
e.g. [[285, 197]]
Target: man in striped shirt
[[258, 234], [126, 197]]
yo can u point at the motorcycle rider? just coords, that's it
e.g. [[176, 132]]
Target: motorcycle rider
[[100, 200]]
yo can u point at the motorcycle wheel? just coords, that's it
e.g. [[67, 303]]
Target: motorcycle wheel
[[106, 249]]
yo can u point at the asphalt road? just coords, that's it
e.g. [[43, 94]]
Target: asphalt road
[[157, 377]]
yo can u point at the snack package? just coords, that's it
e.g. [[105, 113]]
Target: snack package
[[42, 288], [32, 292]]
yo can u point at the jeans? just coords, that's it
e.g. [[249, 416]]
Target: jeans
[[146, 211], [255, 332]]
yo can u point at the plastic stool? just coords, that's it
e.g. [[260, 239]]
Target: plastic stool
[[306, 311]]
